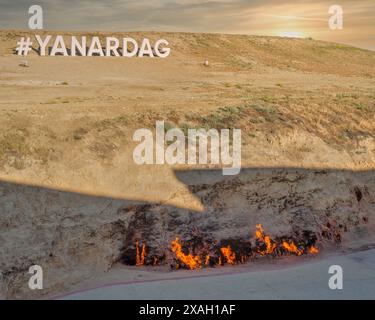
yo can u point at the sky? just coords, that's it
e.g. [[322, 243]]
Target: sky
[[305, 18]]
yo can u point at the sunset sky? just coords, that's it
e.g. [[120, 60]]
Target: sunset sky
[[304, 18]]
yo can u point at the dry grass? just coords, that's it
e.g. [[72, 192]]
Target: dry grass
[[267, 86]]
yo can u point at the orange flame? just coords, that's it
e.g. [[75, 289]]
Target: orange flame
[[228, 254], [207, 262], [259, 231], [191, 261], [292, 248], [313, 250], [266, 246], [270, 246], [140, 257]]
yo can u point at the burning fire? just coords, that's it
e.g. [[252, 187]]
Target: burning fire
[[228, 254], [313, 250], [140, 257], [207, 261], [292, 248], [270, 246], [264, 245], [192, 262]]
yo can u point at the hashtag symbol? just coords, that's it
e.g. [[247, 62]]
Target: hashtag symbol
[[23, 47]]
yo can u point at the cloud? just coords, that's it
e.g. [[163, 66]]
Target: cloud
[[269, 17]]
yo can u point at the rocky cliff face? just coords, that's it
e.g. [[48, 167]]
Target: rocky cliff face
[[73, 236]]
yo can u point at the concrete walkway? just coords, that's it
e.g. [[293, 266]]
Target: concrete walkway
[[304, 281]]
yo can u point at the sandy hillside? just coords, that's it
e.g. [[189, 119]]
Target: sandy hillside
[[68, 121], [306, 109]]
